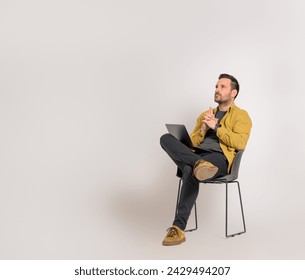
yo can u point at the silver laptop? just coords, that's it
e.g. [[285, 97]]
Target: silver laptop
[[179, 131]]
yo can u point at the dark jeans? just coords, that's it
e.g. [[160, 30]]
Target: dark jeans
[[185, 159]]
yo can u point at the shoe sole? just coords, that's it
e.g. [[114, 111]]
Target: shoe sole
[[172, 243], [205, 172]]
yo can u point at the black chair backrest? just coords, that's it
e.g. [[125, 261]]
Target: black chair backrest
[[234, 169]]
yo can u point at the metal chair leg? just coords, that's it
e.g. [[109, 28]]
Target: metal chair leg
[[195, 208], [226, 213], [196, 221], [241, 207]]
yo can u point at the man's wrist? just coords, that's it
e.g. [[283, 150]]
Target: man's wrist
[[216, 127]]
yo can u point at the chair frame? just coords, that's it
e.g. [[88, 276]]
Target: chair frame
[[228, 179]]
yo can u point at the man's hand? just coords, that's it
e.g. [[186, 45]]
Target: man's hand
[[209, 120]]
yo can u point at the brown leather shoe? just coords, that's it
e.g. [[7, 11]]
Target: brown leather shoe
[[174, 236], [204, 170]]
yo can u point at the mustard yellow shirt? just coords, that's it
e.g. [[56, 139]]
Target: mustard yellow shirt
[[233, 132]]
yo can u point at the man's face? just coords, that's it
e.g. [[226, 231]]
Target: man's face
[[223, 91]]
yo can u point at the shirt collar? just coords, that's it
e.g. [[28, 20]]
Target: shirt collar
[[232, 106]]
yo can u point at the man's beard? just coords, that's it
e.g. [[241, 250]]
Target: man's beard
[[217, 99]]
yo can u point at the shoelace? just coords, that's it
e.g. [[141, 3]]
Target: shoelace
[[172, 232]]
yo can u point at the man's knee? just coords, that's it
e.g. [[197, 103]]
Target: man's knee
[[164, 139]]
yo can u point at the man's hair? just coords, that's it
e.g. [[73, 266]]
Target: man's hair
[[234, 82]]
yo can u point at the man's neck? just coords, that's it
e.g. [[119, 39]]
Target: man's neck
[[225, 106]]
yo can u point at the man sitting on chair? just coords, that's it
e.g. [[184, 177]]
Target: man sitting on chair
[[219, 132]]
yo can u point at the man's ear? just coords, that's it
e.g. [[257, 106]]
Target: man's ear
[[234, 93]]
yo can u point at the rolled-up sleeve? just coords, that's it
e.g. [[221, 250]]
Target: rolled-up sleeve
[[196, 135]]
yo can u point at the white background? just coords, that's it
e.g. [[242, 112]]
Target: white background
[[85, 90]]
